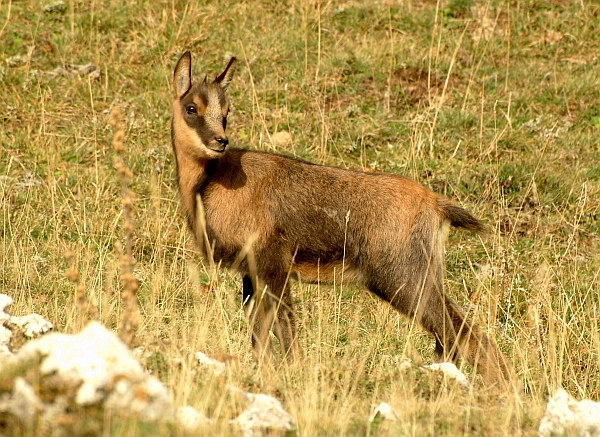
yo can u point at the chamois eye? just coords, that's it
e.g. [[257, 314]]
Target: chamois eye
[[191, 109]]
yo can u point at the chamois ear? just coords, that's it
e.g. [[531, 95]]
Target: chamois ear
[[224, 79], [182, 78]]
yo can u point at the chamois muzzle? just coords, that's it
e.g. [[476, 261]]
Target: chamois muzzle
[[218, 144]]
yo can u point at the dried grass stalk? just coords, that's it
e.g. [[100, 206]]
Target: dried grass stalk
[[130, 309]]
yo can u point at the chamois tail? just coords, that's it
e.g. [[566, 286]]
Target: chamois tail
[[460, 217]]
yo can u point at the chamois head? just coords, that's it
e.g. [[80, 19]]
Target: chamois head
[[200, 111]]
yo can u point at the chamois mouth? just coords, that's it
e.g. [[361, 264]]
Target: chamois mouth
[[219, 148], [218, 144]]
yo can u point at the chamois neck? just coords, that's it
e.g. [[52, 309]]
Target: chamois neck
[[192, 173]]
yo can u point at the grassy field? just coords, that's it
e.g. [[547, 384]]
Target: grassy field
[[494, 104]]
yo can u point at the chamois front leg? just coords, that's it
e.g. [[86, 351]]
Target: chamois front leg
[[285, 325], [260, 319], [273, 306]]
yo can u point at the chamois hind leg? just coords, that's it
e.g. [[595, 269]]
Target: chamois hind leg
[[440, 354], [458, 335], [414, 287]]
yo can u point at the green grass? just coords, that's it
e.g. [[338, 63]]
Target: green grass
[[495, 106]]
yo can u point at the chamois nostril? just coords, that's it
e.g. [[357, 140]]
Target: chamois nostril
[[222, 141]]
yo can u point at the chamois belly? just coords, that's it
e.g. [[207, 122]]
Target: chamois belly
[[328, 272]]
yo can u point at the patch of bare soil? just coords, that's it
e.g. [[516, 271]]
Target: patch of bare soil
[[407, 87], [420, 86]]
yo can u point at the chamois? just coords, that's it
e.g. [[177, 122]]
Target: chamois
[[310, 221]]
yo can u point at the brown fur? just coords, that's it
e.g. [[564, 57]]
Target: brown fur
[[309, 220]]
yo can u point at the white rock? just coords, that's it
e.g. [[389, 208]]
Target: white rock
[[567, 416], [191, 419], [32, 324], [102, 367], [52, 413], [5, 336], [451, 371], [21, 403], [264, 414], [217, 367], [5, 301], [91, 357], [55, 7], [141, 354], [282, 139], [385, 411], [405, 365], [148, 398], [401, 362]]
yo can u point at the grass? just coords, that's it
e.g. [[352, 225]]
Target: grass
[[494, 104]]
